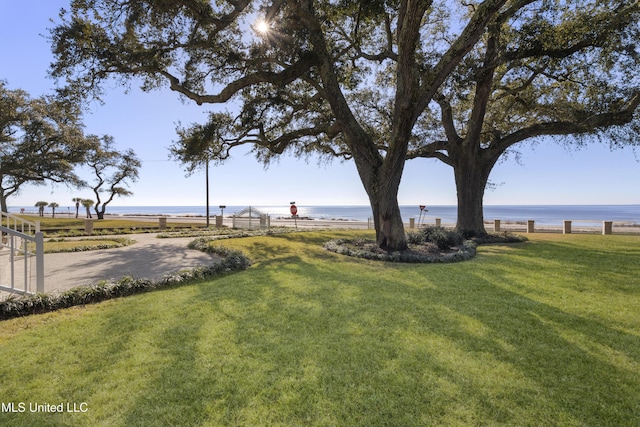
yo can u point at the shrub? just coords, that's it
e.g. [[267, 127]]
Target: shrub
[[415, 238], [444, 239], [57, 245], [505, 237], [355, 248], [225, 233]]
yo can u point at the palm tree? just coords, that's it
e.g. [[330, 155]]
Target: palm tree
[[87, 203], [53, 206], [41, 205], [77, 200]]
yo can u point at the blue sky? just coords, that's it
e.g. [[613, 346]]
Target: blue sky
[[145, 122]]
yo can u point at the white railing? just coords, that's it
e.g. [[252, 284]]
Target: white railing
[[17, 272], [19, 224]]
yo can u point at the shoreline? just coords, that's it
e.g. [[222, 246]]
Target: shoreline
[[311, 223], [547, 215], [516, 226]]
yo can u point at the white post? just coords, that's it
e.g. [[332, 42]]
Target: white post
[[39, 262], [12, 259], [88, 226], [25, 251]]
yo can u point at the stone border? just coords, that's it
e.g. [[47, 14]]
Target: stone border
[[465, 253]]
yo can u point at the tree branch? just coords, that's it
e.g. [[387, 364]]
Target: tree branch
[[594, 36], [588, 124], [434, 150], [278, 145], [462, 45], [447, 118], [483, 86], [288, 75]]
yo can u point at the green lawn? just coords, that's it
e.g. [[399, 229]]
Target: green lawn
[[63, 245], [545, 333]]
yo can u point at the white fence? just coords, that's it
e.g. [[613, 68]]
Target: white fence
[[21, 255]]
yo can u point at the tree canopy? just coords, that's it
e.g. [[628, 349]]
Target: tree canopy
[[200, 144], [113, 170], [377, 82], [567, 70], [41, 140]]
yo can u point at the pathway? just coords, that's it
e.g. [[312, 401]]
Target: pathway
[[149, 257]]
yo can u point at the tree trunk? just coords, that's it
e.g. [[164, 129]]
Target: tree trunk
[[99, 210], [471, 175], [381, 184], [387, 220], [3, 201]]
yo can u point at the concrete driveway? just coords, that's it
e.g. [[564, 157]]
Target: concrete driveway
[[150, 257]]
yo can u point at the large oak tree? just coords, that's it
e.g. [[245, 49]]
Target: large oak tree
[[41, 141], [561, 70], [358, 80]]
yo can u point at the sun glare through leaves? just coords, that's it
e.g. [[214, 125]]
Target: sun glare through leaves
[[262, 27]]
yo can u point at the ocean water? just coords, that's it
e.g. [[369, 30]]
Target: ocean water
[[543, 214]]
